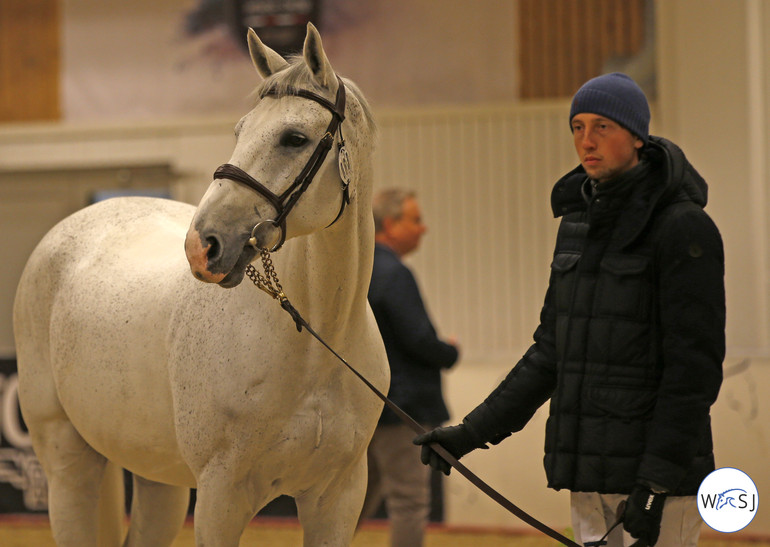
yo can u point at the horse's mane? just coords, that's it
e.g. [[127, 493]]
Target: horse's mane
[[297, 76]]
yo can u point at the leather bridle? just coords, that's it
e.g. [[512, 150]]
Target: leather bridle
[[284, 203]]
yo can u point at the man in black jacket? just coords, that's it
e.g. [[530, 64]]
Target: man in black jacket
[[631, 339], [416, 356]]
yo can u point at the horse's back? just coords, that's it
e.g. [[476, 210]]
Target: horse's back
[[91, 313], [109, 226]]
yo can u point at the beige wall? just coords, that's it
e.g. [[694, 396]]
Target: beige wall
[[714, 101]]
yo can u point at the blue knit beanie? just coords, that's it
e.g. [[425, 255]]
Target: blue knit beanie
[[617, 97]]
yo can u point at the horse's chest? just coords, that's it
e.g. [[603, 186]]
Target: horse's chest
[[282, 414]]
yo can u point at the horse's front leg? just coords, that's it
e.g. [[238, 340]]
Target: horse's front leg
[[329, 515], [224, 505]]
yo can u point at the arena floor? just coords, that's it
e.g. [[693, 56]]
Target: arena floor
[[26, 531]]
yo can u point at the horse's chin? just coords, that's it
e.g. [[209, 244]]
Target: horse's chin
[[231, 280], [236, 275]]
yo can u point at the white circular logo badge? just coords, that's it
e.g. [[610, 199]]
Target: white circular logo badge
[[728, 500]]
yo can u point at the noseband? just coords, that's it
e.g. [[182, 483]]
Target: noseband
[[284, 203]]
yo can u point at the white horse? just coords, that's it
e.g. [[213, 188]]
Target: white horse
[[125, 357]]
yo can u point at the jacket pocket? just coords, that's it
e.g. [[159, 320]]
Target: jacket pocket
[[563, 270], [624, 287], [623, 401]]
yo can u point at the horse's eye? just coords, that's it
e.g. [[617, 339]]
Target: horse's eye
[[294, 140]]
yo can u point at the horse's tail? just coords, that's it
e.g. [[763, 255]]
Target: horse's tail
[[112, 507]]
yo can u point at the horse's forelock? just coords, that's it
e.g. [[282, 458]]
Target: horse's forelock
[[298, 76]]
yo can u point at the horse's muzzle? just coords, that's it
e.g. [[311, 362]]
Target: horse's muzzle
[[198, 256]]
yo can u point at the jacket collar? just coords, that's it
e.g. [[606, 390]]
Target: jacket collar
[[671, 178], [381, 247]]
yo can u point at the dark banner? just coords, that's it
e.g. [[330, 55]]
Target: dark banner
[[23, 487], [281, 24]]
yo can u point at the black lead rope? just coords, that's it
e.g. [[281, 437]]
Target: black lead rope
[[266, 284], [620, 513]]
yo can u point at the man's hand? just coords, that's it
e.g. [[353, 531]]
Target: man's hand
[[456, 439], [644, 510]]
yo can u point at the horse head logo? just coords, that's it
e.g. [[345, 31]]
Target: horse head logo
[[728, 497]]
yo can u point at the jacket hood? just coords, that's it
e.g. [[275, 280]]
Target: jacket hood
[[679, 173]]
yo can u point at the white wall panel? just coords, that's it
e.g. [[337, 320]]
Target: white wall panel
[[483, 177]]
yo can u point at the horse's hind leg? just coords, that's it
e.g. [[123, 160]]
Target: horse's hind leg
[[74, 471], [112, 506], [157, 513]]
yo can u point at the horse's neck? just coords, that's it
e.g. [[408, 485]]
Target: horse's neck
[[328, 272], [330, 269]]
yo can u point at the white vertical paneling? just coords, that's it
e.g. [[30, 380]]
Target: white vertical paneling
[[756, 91], [483, 177]]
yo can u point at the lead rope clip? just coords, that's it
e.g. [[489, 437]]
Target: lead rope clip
[[269, 283]]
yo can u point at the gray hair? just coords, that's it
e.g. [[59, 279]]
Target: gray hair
[[388, 203]]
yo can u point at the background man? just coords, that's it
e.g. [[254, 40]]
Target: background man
[[416, 356]]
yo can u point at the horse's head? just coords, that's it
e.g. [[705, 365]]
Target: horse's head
[[289, 172]]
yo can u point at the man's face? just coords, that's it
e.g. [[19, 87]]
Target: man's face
[[605, 148], [405, 232]]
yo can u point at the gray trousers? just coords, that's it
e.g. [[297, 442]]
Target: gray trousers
[[593, 514], [397, 476]]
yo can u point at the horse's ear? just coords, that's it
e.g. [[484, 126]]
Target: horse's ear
[[316, 60], [266, 61]]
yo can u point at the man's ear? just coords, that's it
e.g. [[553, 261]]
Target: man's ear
[[638, 143], [387, 224]]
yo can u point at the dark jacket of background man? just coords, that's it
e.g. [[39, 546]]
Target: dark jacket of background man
[[415, 353]]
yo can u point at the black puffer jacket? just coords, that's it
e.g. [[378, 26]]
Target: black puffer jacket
[[631, 340]]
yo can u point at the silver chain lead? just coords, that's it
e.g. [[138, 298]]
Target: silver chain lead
[[268, 282]]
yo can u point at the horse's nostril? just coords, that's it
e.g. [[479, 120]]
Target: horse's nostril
[[213, 249]]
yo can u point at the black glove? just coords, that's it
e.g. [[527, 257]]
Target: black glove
[[644, 510], [458, 440]]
